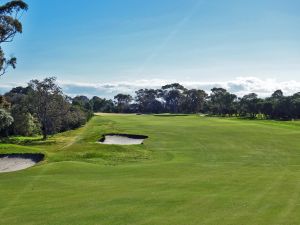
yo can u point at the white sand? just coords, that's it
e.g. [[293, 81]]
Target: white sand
[[10, 164], [121, 140]]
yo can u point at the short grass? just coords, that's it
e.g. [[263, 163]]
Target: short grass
[[191, 170]]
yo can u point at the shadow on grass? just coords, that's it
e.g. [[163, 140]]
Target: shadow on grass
[[266, 119], [259, 119], [170, 115], [36, 157], [26, 141]]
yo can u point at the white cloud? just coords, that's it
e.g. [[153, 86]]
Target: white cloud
[[8, 86], [239, 86]]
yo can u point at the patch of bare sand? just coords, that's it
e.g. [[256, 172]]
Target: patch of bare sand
[[123, 139], [16, 162]]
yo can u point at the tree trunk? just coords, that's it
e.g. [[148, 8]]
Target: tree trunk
[[44, 136], [44, 132]]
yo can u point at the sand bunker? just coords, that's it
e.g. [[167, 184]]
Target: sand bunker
[[15, 162], [122, 139]]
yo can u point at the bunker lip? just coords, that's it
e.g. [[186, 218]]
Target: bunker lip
[[19, 161], [122, 139]]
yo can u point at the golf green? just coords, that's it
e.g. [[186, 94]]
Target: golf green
[[191, 170]]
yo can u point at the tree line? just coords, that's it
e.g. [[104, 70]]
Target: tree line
[[175, 98], [40, 108]]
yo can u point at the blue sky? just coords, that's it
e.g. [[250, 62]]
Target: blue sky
[[121, 42]]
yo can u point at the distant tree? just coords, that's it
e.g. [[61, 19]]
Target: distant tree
[[97, 103], [73, 118], [283, 108], [5, 121], [222, 102], [173, 97], [84, 104], [82, 101], [266, 107], [102, 105], [248, 105], [123, 101], [174, 86], [19, 90], [278, 94], [18, 96], [194, 101], [280, 105], [295, 101], [48, 103], [9, 27], [147, 101], [108, 106]]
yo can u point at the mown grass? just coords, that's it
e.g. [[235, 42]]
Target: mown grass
[[191, 170]]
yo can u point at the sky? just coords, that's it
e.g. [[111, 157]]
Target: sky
[[102, 47]]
